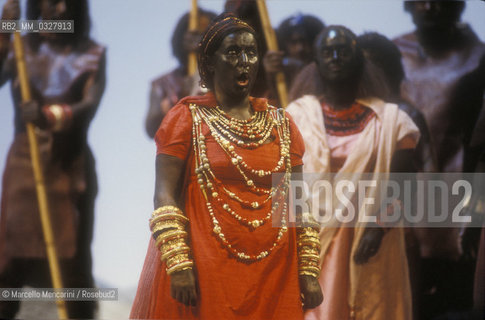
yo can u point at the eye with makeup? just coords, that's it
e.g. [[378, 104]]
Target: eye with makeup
[[345, 52], [342, 52], [251, 51], [327, 53], [236, 50], [232, 51]]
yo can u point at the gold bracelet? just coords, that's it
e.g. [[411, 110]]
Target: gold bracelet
[[308, 221], [162, 243], [310, 242], [169, 223], [310, 268], [169, 252], [59, 116], [308, 232], [303, 264], [166, 209], [309, 260], [180, 267], [309, 256], [172, 244], [170, 235], [177, 259], [169, 217], [309, 250], [174, 251], [308, 273], [167, 226]]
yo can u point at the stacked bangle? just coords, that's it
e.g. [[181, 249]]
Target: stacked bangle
[[59, 116], [308, 244], [168, 229]]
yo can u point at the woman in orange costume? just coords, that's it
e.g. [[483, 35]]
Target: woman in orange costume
[[220, 256]]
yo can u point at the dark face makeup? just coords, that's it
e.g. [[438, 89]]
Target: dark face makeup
[[336, 55], [298, 47], [56, 9], [435, 14], [235, 64]]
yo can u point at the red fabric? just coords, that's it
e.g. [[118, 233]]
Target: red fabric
[[229, 288], [174, 137], [346, 121]]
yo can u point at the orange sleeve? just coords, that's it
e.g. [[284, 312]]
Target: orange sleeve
[[297, 148], [174, 136]]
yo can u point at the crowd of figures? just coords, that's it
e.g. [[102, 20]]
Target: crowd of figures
[[358, 104]]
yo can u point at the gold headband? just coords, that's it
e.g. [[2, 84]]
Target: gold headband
[[222, 27]]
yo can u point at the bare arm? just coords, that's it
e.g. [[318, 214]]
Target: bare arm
[[169, 177], [92, 93], [154, 116], [402, 161], [169, 180], [311, 291]]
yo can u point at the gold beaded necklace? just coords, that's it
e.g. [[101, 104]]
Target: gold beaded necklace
[[246, 134]]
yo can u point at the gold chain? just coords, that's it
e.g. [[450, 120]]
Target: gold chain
[[247, 134]]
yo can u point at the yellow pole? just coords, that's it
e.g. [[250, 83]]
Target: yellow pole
[[272, 44], [193, 24], [39, 179]]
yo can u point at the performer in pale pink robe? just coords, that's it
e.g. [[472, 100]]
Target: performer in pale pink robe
[[364, 269]]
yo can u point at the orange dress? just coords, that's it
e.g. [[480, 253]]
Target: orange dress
[[228, 288]]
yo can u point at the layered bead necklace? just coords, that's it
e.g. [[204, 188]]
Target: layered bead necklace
[[247, 134]]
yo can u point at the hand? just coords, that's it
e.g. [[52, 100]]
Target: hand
[[31, 112], [273, 61], [311, 292], [369, 244], [183, 287], [11, 10], [470, 238]]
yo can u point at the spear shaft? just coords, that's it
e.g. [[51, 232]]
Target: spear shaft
[[193, 22], [272, 44]]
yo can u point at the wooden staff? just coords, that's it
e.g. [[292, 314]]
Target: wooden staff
[[39, 179], [272, 44], [193, 24]]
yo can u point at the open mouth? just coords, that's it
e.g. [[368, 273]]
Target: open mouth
[[334, 67], [243, 79]]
